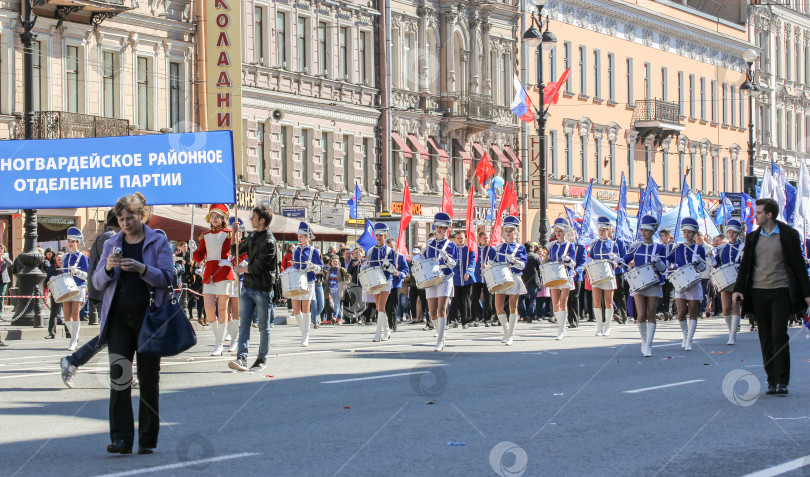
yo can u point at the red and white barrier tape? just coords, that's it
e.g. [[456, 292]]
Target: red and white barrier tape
[[23, 296]]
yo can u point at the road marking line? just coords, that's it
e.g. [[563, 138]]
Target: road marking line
[[181, 464], [374, 377], [636, 391], [665, 345], [782, 468]]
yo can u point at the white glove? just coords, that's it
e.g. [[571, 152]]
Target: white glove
[[613, 256], [78, 273], [198, 272], [244, 263], [511, 259], [386, 264], [659, 265], [313, 268], [224, 263], [448, 260], [700, 267], [192, 245], [695, 258]]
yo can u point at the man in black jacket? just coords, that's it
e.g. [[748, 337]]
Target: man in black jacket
[[531, 278], [94, 295], [773, 284], [257, 288]]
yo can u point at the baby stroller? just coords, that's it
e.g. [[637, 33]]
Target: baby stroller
[[352, 303]]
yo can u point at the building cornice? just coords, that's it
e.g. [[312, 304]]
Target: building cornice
[[310, 107]]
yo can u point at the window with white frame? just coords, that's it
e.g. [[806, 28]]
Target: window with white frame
[[111, 84], [363, 56], [260, 152], [323, 47], [283, 138], [303, 141], [371, 163], [326, 159], [144, 91], [281, 39], [176, 96], [301, 45], [74, 81], [258, 34], [506, 81], [40, 78], [343, 45], [348, 161]]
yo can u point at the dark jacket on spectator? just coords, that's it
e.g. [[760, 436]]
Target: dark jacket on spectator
[[531, 274], [95, 256]]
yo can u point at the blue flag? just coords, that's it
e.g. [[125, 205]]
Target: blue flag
[[652, 202], [623, 231], [701, 212], [493, 199], [640, 212], [724, 213], [588, 232], [354, 201], [576, 222], [367, 240], [747, 212], [684, 195], [790, 202]]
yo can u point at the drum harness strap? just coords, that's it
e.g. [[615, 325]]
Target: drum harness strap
[[309, 259], [444, 248]]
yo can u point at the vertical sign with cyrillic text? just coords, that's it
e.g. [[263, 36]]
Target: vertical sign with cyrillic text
[[535, 184], [224, 71]]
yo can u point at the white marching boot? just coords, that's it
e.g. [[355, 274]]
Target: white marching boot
[[691, 335], [305, 320], [642, 329], [561, 322], [219, 336], [440, 340], [732, 332], [685, 331], [74, 334], [512, 322], [597, 313], [608, 319], [649, 340], [505, 326], [386, 333], [381, 319], [233, 330], [728, 321]]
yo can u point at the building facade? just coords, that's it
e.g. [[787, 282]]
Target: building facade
[[101, 68], [653, 89], [781, 33]]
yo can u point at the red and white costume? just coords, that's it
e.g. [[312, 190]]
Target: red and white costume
[[214, 250]]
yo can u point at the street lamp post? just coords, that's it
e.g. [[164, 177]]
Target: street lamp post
[[29, 280], [532, 38], [750, 86]]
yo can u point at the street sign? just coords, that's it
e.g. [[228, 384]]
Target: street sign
[[294, 213], [333, 216]]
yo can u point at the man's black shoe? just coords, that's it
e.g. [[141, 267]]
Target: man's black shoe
[[259, 364], [145, 450], [771, 389], [119, 447], [781, 389]]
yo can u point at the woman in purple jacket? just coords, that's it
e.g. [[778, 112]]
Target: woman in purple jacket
[[134, 260]]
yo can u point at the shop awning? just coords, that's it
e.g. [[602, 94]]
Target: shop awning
[[403, 146], [513, 156], [462, 152], [443, 156], [504, 160], [420, 148], [175, 220], [479, 149], [287, 228]]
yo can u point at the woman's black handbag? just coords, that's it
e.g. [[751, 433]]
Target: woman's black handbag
[[166, 330]]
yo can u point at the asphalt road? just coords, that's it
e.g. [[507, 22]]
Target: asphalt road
[[348, 406]]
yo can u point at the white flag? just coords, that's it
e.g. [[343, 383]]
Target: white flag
[[802, 218]]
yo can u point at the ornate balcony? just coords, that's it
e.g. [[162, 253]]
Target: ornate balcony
[[81, 11], [471, 111], [653, 116], [62, 125]]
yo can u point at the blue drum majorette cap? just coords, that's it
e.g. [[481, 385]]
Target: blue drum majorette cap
[[511, 222], [442, 219], [74, 233], [688, 223], [648, 222], [380, 228], [305, 229], [734, 225], [561, 223], [603, 222]]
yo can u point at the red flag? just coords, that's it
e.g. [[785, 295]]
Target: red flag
[[447, 199], [510, 199], [551, 93], [472, 244], [404, 220], [484, 170]]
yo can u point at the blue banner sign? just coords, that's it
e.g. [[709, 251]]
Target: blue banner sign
[[186, 168], [294, 213]]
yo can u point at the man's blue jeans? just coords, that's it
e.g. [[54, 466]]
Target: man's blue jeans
[[528, 303], [260, 302]]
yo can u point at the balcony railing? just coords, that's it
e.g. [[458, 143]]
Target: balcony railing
[[475, 106], [62, 125], [656, 110]]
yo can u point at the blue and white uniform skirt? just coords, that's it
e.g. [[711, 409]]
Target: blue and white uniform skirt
[[695, 292], [519, 288], [445, 288], [370, 298]]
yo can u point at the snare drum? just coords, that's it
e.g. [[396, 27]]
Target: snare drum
[[499, 277], [684, 277], [294, 283], [599, 271], [372, 279], [641, 277], [554, 274], [725, 277], [428, 273], [63, 288]]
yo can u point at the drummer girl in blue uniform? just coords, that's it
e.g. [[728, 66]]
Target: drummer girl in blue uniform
[[514, 254], [305, 257], [601, 250], [382, 256], [446, 252], [562, 251], [682, 255], [76, 263], [728, 253], [646, 300]]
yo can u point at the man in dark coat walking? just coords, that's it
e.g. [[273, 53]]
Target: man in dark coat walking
[[773, 284]]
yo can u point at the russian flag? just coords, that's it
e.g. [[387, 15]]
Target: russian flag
[[521, 105]]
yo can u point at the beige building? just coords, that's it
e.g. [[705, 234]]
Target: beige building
[[101, 68], [653, 88]]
